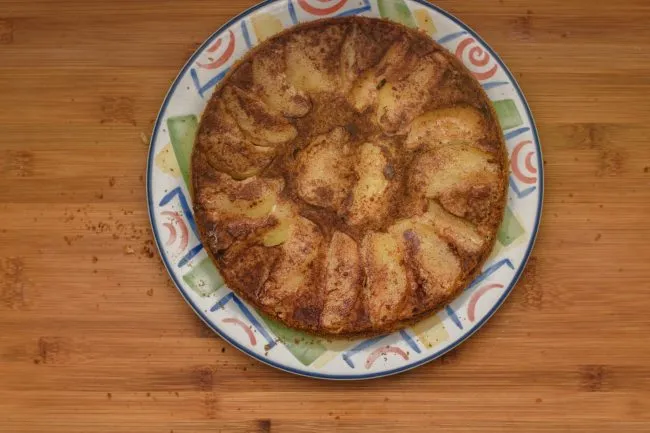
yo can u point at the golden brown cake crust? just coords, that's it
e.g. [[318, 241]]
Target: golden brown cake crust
[[349, 177]]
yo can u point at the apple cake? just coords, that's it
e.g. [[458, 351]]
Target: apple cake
[[349, 177]]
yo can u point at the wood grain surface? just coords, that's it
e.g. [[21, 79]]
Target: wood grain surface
[[95, 338]]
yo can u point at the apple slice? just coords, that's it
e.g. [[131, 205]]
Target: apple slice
[[366, 88], [358, 54], [369, 201], [435, 265], [449, 168], [343, 279], [283, 214], [386, 285], [462, 234], [460, 124], [248, 265], [271, 80], [226, 147], [464, 179], [264, 126], [295, 270], [399, 101], [324, 170], [234, 210], [310, 60]]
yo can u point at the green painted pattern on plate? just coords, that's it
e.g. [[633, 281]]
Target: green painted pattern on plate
[[396, 10], [510, 229], [182, 130], [204, 278], [509, 116], [306, 348]]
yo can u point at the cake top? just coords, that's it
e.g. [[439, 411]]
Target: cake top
[[349, 176]]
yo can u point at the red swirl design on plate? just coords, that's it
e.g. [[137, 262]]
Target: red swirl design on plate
[[224, 57], [382, 351], [175, 217], [528, 163], [172, 233], [477, 59], [243, 326], [304, 4], [471, 307]]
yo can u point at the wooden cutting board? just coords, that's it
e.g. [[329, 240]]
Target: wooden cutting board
[[95, 338]]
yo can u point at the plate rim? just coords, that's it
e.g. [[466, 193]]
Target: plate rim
[[431, 357]]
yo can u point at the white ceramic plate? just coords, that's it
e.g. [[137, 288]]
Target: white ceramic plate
[[202, 286]]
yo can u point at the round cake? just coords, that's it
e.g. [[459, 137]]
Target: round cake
[[349, 177]]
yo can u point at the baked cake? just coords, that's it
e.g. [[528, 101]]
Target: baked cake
[[349, 177]]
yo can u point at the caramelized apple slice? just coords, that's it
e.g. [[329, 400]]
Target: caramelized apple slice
[[400, 101], [449, 168], [274, 87], [349, 50], [235, 210], [342, 282], [386, 285], [365, 90], [248, 266], [324, 170], [309, 59], [434, 263], [370, 196], [433, 267], [460, 124], [464, 179], [462, 234], [283, 215], [294, 271], [358, 54], [243, 208], [227, 149], [252, 197], [263, 125]]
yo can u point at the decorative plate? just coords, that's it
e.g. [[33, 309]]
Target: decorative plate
[[198, 280]]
